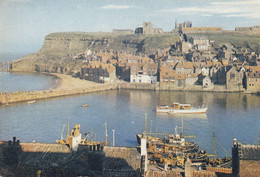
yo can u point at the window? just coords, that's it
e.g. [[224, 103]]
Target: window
[[133, 80], [140, 80], [232, 75]]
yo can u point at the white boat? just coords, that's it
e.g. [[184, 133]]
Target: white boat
[[31, 102], [177, 108]]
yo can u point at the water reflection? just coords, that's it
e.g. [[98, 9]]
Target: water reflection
[[184, 116], [231, 115], [11, 82]]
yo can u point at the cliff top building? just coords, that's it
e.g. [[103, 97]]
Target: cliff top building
[[252, 29], [201, 29], [147, 28], [122, 31]]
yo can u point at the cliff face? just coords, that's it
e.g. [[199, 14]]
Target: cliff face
[[72, 43], [59, 48]]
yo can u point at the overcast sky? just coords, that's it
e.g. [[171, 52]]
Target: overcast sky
[[25, 23]]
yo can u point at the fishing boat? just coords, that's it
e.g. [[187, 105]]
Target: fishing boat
[[174, 143], [74, 139], [177, 108]]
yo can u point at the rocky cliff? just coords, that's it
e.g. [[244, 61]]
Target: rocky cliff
[[58, 50]]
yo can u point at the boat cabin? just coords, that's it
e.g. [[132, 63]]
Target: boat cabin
[[181, 106]]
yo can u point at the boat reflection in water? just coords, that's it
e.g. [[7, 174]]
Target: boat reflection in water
[[185, 116]]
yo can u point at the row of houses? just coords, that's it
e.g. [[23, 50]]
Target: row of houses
[[98, 72], [175, 72]]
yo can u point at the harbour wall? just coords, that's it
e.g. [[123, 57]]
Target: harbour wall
[[166, 87], [5, 66], [15, 97]]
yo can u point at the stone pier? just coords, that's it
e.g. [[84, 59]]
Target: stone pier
[[32, 96], [5, 66]]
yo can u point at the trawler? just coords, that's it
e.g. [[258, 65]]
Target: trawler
[[74, 139], [174, 143], [174, 150], [177, 108]]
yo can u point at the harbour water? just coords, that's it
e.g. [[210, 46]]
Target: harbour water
[[230, 115], [11, 82]]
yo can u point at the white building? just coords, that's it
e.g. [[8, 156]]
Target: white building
[[141, 78], [143, 73]]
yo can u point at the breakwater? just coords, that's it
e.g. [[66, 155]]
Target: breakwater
[[5, 66], [15, 97]]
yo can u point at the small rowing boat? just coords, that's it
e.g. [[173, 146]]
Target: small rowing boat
[[85, 105]]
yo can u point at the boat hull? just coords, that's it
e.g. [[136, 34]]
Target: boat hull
[[190, 111]]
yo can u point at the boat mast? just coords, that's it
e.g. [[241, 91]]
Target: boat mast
[[68, 129], [151, 127], [106, 133], [113, 137], [214, 142], [182, 128], [61, 136]]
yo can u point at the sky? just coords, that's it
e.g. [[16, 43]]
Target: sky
[[25, 23]]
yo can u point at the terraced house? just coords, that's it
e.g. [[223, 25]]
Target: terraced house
[[252, 78], [98, 72]]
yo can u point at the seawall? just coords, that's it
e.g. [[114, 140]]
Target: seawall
[[165, 87], [68, 86], [7, 98]]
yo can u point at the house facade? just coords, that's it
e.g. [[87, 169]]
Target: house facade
[[144, 73]]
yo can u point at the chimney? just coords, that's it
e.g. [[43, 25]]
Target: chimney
[[235, 159]]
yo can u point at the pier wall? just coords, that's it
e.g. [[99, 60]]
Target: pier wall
[[5, 66], [170, 87], [7, 98]]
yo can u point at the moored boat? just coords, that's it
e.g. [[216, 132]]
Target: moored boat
[[173, 144], [177, 108], [31, 102], [74, 139]]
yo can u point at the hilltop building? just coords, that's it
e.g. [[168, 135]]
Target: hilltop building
[[186, 27], [179, 26], [252, 29], [201, 30], [147, 28], [122, 31]]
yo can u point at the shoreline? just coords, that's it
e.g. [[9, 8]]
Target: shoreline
[[68, 85]]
